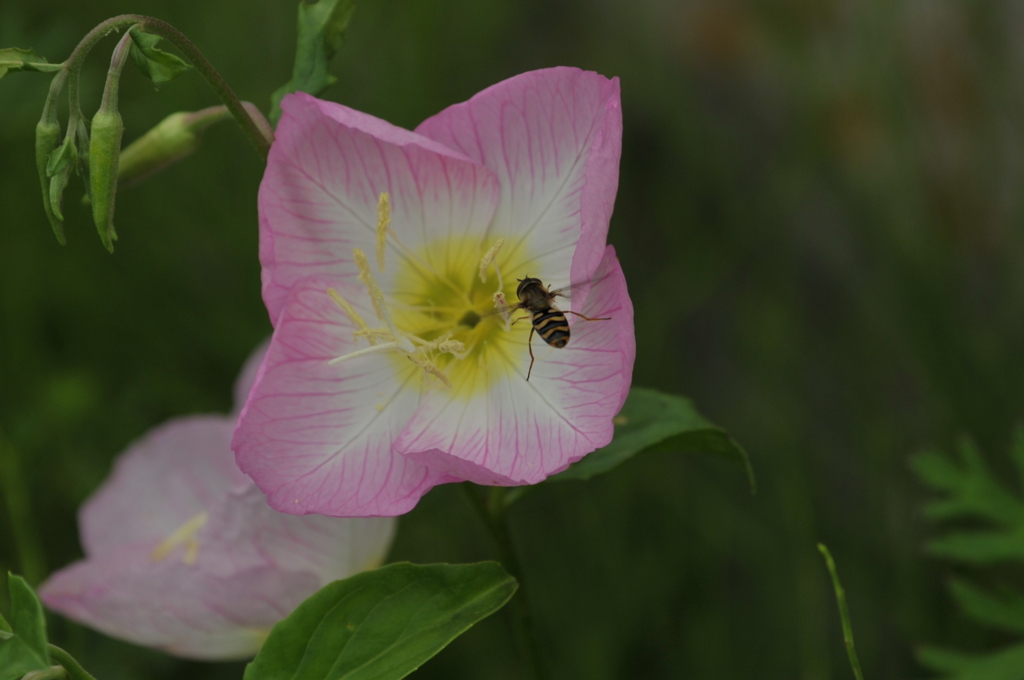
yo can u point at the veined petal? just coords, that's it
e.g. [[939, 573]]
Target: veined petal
[[247, 531], [173, 606], [553, 137], [521, 432], [317, 438], [174, 472], [319, 195]]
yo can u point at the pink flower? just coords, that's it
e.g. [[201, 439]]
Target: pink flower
[[184, 554], [392, 372]]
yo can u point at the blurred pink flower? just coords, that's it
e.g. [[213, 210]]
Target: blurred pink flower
[[184, 554], [388, 375]]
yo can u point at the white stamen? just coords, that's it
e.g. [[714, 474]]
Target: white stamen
[[372, 349]]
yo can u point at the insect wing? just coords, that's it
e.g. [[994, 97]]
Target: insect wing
[[579, 288]]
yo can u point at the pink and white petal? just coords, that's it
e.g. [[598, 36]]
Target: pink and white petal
[[609, 290], [521, 432], [317, 438], [318, 199], [554, 138], [174, 472], [175, 606], [247, 376], [245, 530]]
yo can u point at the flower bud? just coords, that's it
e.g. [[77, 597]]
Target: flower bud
[[47, 141], [104, 152], [105, 148], [173, 138]]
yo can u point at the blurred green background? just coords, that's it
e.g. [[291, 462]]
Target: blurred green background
[[819, 219]]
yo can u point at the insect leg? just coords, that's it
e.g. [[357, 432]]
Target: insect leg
[[515, 321], [587, 318], [529, 343]]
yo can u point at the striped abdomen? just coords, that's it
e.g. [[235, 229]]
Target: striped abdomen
[[552, 326]]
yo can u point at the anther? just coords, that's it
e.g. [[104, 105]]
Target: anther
[[383, 222], [374, 334], [454, 347], [364, 330], [377, 297], [183, 534], [429, 367], [488, 259]]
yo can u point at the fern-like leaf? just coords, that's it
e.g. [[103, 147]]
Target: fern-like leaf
[[972, 491]]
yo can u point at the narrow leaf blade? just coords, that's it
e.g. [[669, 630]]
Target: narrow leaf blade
[[654, 421], [382, 624]]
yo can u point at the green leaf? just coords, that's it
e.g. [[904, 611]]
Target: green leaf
[[157, 65], [1017, 452], [16, 59], [653, 421], [1006, 664], [980, 547], [1005, 611], [61, 163], [321, 31], [23, 647], [973, 491], [63, 157], [381, 624]]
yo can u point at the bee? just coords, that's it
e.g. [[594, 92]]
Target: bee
[[548, 320]]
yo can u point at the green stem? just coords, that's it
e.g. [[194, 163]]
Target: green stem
[[844, 613], [172, 35], [117, 61], [50, 105], [493, 514], [74, 669], [30, 554]]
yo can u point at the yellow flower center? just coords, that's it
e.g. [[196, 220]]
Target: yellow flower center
[[447, 312]]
